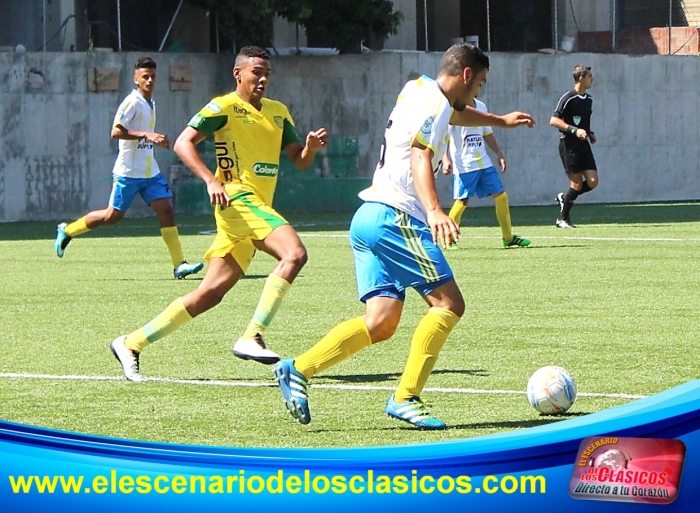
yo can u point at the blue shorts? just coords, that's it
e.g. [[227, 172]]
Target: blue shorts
[[124, 190], [394, 251], [477, 183]]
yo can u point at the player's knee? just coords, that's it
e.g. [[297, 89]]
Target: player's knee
[[592, 182], [456, 306], [297, 257], [113, 217], [381, 328]]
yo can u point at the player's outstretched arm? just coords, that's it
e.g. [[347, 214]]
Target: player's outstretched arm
[[185, 148], [473, 117], [303, 156]]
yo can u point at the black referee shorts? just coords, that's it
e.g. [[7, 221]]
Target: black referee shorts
[[576, 156]]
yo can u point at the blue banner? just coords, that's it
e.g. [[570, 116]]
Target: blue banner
[[47, 470]]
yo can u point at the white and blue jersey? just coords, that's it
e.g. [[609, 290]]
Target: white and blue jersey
[[391, 242], [136, 170], [472, 169]]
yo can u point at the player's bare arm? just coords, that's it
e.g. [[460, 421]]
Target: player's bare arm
[[445, 231], [492, 143], [561, 125], [303, 156], [446, 163], [186, 148], [473, 117], [120, 132]]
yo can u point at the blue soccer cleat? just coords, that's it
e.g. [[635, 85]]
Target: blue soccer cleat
[[414, 412], [62, 240], [293, 385], [184, 269]]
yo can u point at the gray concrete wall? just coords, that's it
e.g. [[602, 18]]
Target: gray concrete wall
[[645, 116], [56, 154]]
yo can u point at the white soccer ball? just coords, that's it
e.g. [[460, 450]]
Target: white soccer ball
[[551, 390]]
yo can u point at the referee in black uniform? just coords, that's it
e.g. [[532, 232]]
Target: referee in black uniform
[[572, 118]]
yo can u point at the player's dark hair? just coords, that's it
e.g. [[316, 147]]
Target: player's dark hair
[[580, 70], [251, 51], [463, 55], [145, 63]]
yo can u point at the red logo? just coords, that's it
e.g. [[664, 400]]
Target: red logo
[[643, 470]]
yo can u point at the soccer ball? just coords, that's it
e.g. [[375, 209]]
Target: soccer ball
[[551, 390]]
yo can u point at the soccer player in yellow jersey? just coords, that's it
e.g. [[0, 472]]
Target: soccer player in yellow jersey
[[249, 133], [136, 172]]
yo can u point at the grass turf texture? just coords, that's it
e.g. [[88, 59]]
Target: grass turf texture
[[612, 301]]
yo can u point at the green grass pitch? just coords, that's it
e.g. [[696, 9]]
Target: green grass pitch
[[613, 301]]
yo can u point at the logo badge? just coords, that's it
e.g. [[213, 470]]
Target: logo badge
[[427, 127], [640, 470], [265, 169], [279, 121], [214, 107], [577, 120]]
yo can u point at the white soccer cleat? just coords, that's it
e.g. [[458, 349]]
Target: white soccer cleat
[[255, 349], [128, 359]]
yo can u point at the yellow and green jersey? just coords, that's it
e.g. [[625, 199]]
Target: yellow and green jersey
[[248, 142]]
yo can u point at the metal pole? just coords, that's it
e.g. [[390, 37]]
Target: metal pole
[[488, 25], [556, 25], [216, 21], [172, 22], [670, 23], [44, 28], [613, 28], [425, 22], [119, 26]]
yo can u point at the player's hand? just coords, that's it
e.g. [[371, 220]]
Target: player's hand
[[516, 119], [581, 134], [217, 194], [159, 140], [502, 162], [446, 166], [317, 140], [445, 231]]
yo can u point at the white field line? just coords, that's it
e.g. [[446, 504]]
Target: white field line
[[243, 384]]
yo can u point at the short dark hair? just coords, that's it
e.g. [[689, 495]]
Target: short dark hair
[[251, 51], [145, 63], [580, 70], [463, 55]]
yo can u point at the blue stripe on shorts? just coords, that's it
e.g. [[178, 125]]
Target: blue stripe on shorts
[[394, 251]]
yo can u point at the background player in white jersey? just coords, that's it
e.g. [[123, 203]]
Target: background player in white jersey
[[136, 172], [395, 236], [475, 175]]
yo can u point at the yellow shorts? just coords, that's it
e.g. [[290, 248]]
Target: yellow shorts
[[237, 226]]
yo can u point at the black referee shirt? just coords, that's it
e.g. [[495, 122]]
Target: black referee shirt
[[575, 110]]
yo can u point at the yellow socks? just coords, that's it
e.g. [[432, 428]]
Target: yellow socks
[[343, 341], [172, 240], [428, 339], [456, 211], [77, 227], [272, 295], [503, 215], [171, 319]]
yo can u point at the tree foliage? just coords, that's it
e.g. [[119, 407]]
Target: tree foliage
[[341, 24]]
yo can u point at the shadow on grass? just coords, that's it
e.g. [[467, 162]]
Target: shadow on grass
[[393, 376], [588, 214]]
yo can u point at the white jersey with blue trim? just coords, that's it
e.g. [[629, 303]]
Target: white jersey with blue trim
[[135, 159], [467, 146], [422, 113]]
